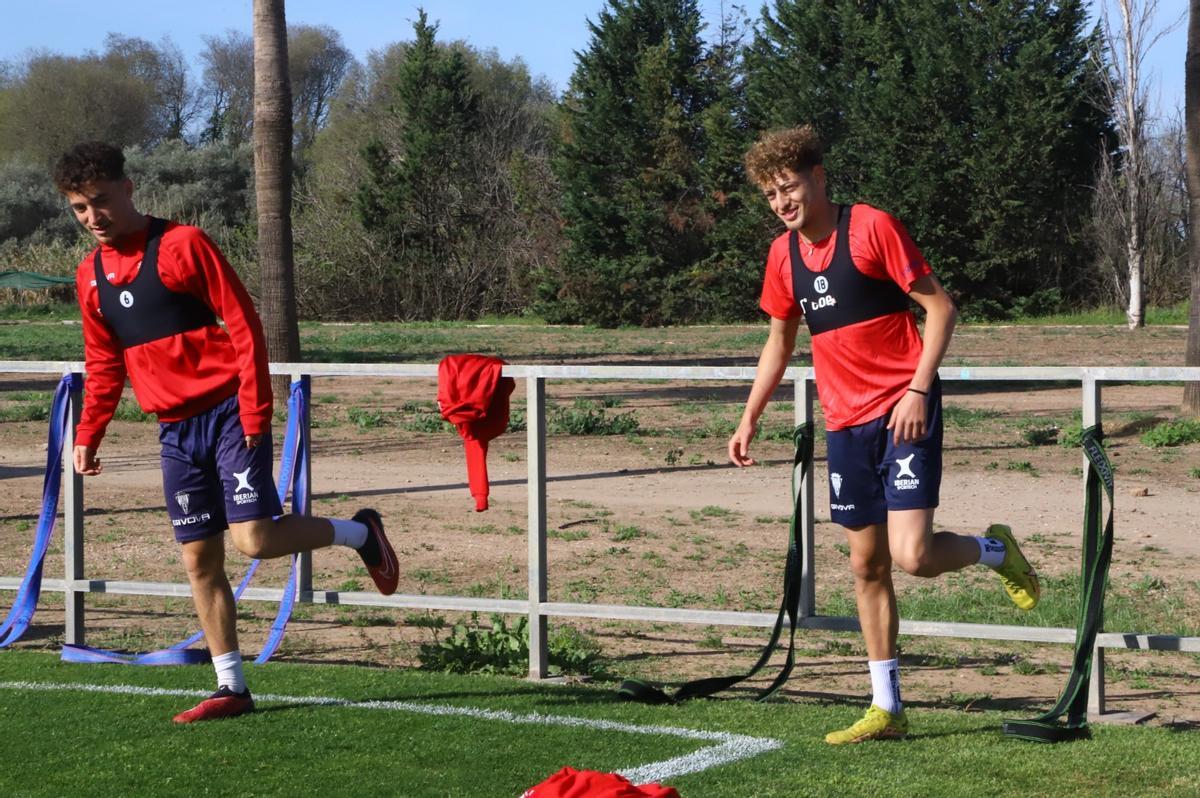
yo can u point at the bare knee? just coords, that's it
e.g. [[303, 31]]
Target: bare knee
[[866, 568], [917, 561], [204, 560], [252, 538]]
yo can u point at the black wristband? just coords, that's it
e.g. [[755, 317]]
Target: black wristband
[[923, 393]]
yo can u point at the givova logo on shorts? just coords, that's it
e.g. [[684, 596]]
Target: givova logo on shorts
[[184, 500]]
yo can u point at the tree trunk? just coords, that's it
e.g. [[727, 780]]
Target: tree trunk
[[273, 184], [1136, 313], [1191, 112]]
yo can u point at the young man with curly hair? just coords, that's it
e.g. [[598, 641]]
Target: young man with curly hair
[[152, 295], [850, 271]]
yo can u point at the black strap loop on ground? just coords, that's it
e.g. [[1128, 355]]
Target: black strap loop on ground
[[637, 690], [1097, 553]]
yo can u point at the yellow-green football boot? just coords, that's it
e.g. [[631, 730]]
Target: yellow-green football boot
[[1017, 575], [877, 724]]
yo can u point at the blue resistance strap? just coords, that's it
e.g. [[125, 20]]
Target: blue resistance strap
[[295, 451], [31, 586]]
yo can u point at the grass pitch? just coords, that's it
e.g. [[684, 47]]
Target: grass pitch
[[335, 730]]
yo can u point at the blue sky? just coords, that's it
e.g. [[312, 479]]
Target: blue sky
[[545, 33]]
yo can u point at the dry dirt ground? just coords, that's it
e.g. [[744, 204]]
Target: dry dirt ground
[[656, 517]]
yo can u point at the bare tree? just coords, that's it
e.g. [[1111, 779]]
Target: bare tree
[[273, 180], [1128, 96], [1191, 110], [229, 87], [179, 98], [318, 63]]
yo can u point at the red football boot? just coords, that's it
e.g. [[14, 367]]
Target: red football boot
[[377, 553], [222, 704]]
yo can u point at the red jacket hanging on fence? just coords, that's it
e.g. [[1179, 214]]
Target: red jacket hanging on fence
[[474, 397], [572, 783]]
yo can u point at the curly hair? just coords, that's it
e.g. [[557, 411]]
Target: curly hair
[[798, 149], [86, 163]]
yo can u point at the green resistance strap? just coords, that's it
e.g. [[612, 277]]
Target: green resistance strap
[[637, 690], [1097, 553]]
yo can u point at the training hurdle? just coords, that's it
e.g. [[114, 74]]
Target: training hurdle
[[537, 607]]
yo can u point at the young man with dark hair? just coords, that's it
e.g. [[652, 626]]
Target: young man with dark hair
[[849, 271], [151, 295]]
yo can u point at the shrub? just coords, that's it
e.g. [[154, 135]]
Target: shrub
[[505, 649], [587, 418], [1173, 433]]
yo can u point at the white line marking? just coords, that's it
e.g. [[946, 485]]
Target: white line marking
[[729, 747]]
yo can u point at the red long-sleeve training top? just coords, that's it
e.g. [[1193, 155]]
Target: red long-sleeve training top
[[184, 374]]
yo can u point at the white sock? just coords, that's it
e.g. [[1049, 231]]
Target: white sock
[[885, 684], [991, 552], [348, 533], [229, 671]]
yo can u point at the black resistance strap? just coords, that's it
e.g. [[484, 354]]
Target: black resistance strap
[[1097, 553], [637, 690]]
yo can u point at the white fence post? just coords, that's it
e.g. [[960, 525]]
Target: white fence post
[[73, 631], [1091, 416], [535, 423], [804, 389], [304, 580]]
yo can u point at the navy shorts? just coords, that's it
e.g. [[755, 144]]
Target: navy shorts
[[869, 474], [210, 478]]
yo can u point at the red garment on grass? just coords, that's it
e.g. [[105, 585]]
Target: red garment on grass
[[181, 375], [572, 783], [862, 369], [474, 397]]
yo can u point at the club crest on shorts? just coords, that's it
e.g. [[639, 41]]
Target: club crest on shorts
[[182, 499], [835, 479]]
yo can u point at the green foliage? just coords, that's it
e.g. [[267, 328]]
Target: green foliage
[[586, 417], [959, 416], [1179, 432], [1023, 466], [210, 186], [31, 209], [635, 198], [501, 648], [1040, 436], [130, 410], [125, 95], [985, 151], [624, 533], [448, 204], [364, 418], [1072, 436]]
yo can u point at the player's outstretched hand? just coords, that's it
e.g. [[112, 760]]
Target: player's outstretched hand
[[739, 446], [86, 461]]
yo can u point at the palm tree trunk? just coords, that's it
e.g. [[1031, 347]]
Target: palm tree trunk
[[273, 183], [1191, 112]]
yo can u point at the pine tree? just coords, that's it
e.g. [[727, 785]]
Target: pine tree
[[632, 142], [726, 284], [970, 121], [416, 190]]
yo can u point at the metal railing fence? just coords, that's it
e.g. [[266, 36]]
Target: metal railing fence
[[537, 607]]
